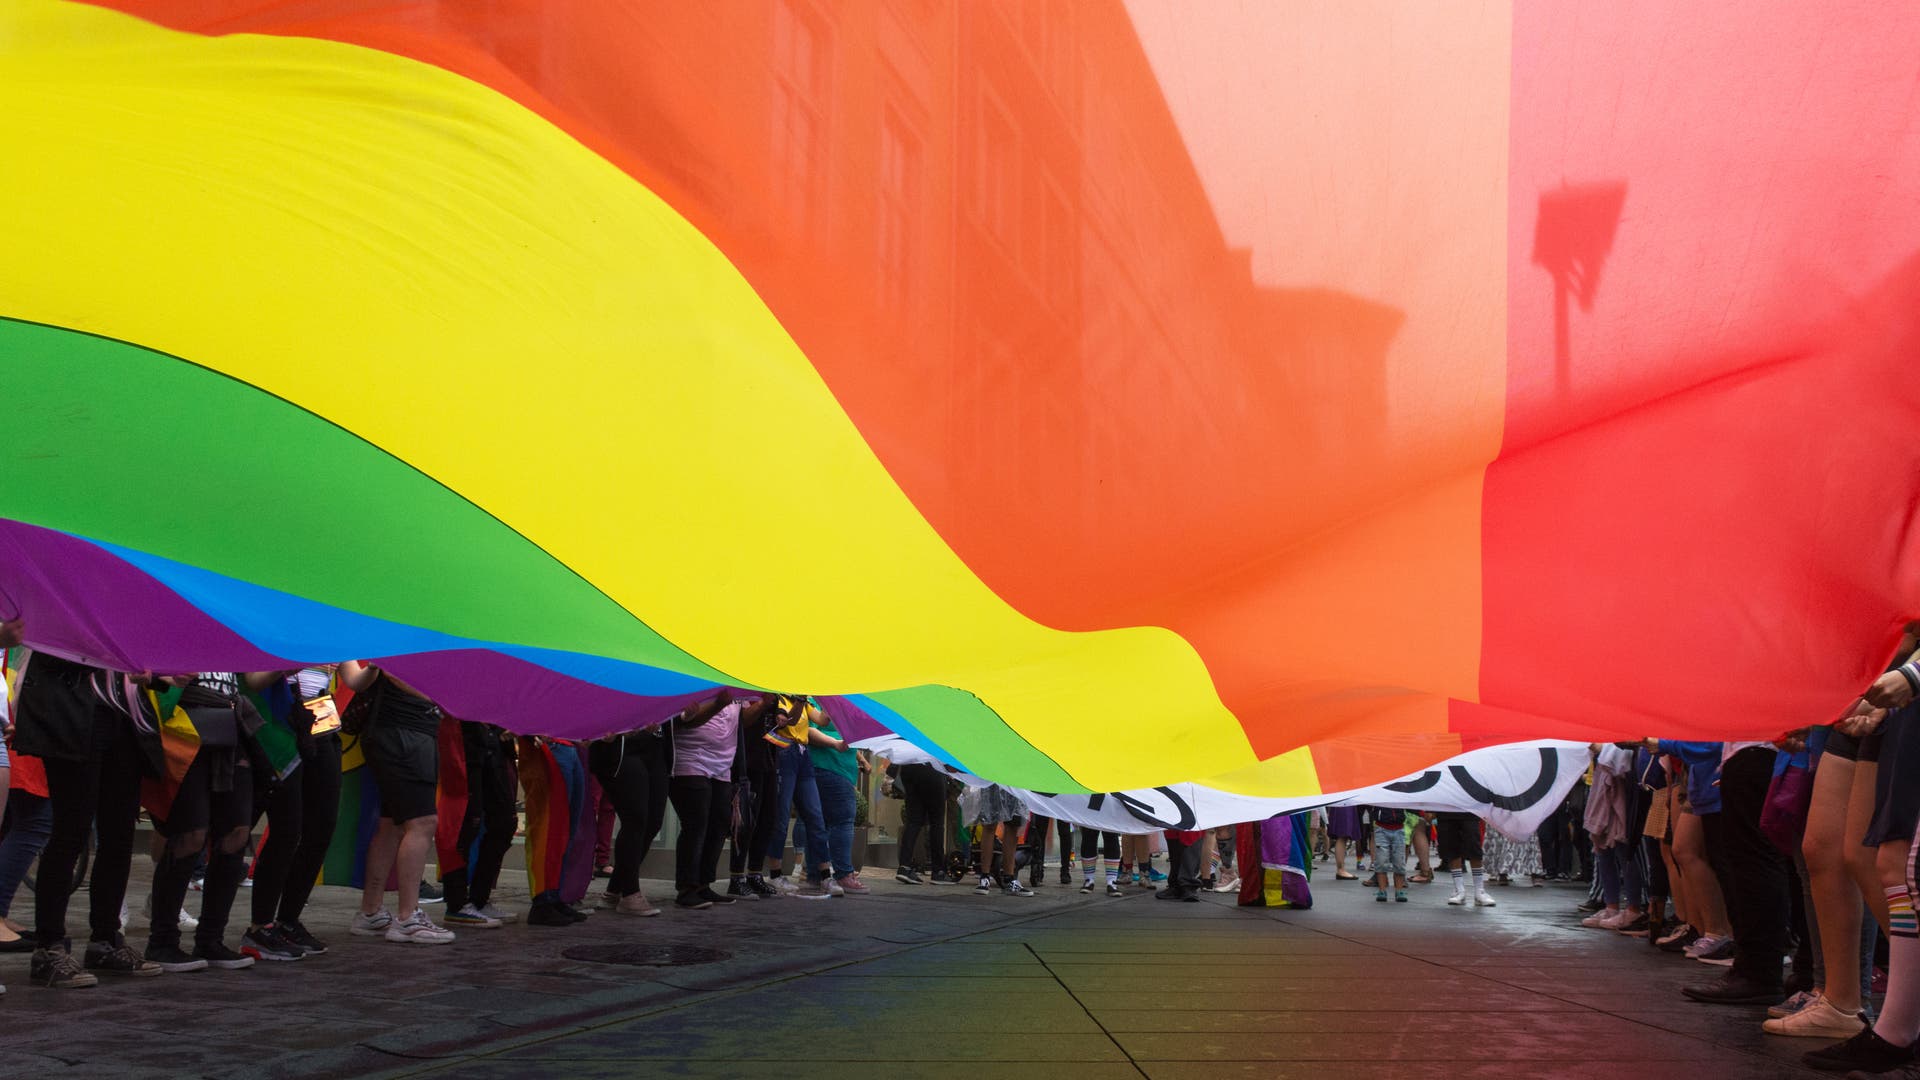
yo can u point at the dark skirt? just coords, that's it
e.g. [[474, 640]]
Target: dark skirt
[[1343, 822]]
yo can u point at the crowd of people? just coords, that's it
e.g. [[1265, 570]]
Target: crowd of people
[[1789, 863], [209, 757]]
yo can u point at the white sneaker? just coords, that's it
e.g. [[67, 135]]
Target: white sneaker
[[833, 888], [365, 925], [504, 915], [1457, 899], [418, 930], [1481, 899], [1819, 1020], [1706, 943], [1231, 886], [1598, 920], [636, 904], [786, 885], [469, 915]]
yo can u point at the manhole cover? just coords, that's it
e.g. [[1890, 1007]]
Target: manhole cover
[[645, 955]]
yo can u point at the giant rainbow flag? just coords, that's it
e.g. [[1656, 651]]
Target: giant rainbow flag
[[1098, 395]]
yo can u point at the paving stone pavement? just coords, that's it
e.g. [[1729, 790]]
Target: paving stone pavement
[[931, 982]]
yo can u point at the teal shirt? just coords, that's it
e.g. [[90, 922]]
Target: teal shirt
[[841, 763]]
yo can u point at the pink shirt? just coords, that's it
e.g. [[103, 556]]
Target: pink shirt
[[707, 750]]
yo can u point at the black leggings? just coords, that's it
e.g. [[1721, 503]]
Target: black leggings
[[100, 795], [489, 819], [1037, 842], [320, 810], [300, 817], [1094, 842], [754, 829], [924, 796], [705, 806], [633, 773], [214, 817]]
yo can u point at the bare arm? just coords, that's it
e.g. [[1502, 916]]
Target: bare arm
[[355, 675]]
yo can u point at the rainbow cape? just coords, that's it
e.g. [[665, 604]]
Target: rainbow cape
[[1097, 395]]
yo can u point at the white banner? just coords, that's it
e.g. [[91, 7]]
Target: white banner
[[1514, 787]]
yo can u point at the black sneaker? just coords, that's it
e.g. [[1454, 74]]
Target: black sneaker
[[941, 877], [1589, 907], [268, 943], [711, 897], [58, 969], [1680, 944], [1066, 874], [173, 961], [296, 934], [217, 955], [550, 914], [114, 958], [1087, 887], [1867, 1052], [692, 901], [985, 886], [737, 889], [907, 875], [431, 893], [761, 889], [1113, 887]]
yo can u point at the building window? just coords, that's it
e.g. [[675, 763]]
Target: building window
[[800, 78], [997, 181], [899, 204]]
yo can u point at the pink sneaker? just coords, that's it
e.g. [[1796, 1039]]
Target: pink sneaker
[[1598, 920], [851, 884]]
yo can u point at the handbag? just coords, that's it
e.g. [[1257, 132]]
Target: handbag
[[1783, 819]]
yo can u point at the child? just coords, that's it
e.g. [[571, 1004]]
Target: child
[[1389, 852]]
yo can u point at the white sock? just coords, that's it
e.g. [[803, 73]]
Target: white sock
[[1459, 881], [1479, 878]]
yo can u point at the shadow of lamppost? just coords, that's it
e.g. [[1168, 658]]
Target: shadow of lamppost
[[1571, 240]]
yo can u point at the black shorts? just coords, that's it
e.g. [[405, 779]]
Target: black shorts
[[406, 769], [1459, 837], [1896, 792], [1847, 748], [197, 806]]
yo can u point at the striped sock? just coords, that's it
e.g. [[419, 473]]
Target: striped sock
[[1479, 879], [1899, 1021], [1459, 881]]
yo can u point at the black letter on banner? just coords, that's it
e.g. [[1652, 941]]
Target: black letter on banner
[[1095, 802], [1549, 772], [1416, 785], [1143, 812]]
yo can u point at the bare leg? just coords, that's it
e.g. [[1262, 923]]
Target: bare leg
[[1703, 889], [380, 852], [410, 862], [1836, 899], [1861, 860]]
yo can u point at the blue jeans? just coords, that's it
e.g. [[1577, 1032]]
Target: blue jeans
[[1390, 853], [838, 806], [1621, 882], [796, 782], [29, 823]]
